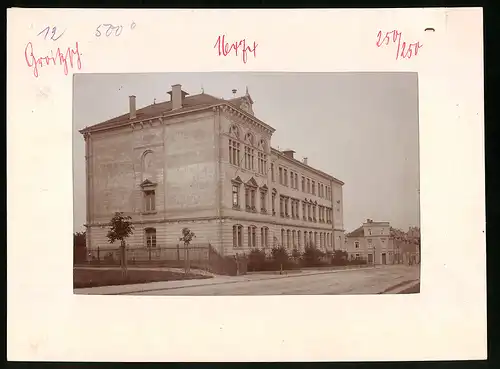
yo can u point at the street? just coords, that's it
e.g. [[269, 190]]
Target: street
[[345, 282]]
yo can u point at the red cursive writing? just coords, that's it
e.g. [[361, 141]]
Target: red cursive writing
[[224, 48], [405, 51], [59, 58]]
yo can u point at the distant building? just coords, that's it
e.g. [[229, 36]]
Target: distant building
[[206, 163], [371, 242]]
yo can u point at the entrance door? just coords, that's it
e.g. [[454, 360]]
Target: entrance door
[[370, 258], [383, 258]]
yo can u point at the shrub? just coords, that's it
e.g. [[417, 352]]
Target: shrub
[[312, 257], [256, 260], [340, 258]]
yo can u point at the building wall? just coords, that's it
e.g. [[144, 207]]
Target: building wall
[[187, 157], [378, 239], [178, 156]]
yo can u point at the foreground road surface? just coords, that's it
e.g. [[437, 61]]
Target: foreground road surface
[[358, 281]]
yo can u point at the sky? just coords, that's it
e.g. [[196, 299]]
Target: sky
[[361, 128]]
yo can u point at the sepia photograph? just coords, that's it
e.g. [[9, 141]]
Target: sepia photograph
[[220, 184]]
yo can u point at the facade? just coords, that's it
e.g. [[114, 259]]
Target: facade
[[207, 164], [372, 242]]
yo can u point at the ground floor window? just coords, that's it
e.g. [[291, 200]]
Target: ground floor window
[[237, 235], [150, 237]]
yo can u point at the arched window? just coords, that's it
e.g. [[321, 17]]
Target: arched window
[[264, 234], [148, 165], [234, 131], [150, 236], [252, 237], [288, 238], [299, 235], [237, 235], [282, 238], [294, 243], [249, 138]]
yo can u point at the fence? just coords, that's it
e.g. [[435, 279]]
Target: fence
[[195, 256]]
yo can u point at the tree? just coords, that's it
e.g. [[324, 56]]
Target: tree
[[280, 256], [187, 237], [121, 228], [79, 246]]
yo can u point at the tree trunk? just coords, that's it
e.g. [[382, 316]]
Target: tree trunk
[[123, 259]]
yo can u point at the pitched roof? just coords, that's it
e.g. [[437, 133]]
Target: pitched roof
[[165, 108], [358, 232]]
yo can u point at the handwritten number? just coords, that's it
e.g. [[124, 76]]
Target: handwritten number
[[53, 36], [112, 30]]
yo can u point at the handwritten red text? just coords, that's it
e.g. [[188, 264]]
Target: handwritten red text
[[224, 48], [404, 50], [57, 58]]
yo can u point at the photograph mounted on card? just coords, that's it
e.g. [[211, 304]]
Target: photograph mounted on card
[[228, 180]]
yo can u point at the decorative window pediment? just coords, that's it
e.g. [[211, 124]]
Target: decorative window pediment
[[264, 188], [250, 139], [234, 131], [275, 191], [147, 184], [252, 183], [237, 181]]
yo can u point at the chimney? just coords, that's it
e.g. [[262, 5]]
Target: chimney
[[304, 161], [177, 96], [288, 153], [132, 109]]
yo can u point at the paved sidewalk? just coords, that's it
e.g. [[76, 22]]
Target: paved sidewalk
[[216, 280]]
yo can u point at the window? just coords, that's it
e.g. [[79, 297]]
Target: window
[[237, 235], [357, 256], [297, 209], [263, 196], [308, 185], [306, 244], [293, 239], [286, 206], [263, 237], [356, 244], [303, 210], [251, 237], [262, 163], [149, 200], [272, 172], [299, 235], [303, 184], [315, 238], [150, 234], [283, 237], [370, 232], [234, 152], [249, 158], [281, 175], [293, 209], [273, 202], [282, 205], [292, 182], [296, 181], [250, 199], [288, 238], [309, 217], [285, 177], [313, 188], [369, 242], [236, 196]]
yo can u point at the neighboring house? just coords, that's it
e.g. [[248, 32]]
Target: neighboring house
[[371, 242], [408, 245], [206, 163]]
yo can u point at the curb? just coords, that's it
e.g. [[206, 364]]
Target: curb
[[231, 282], [402, 286]]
